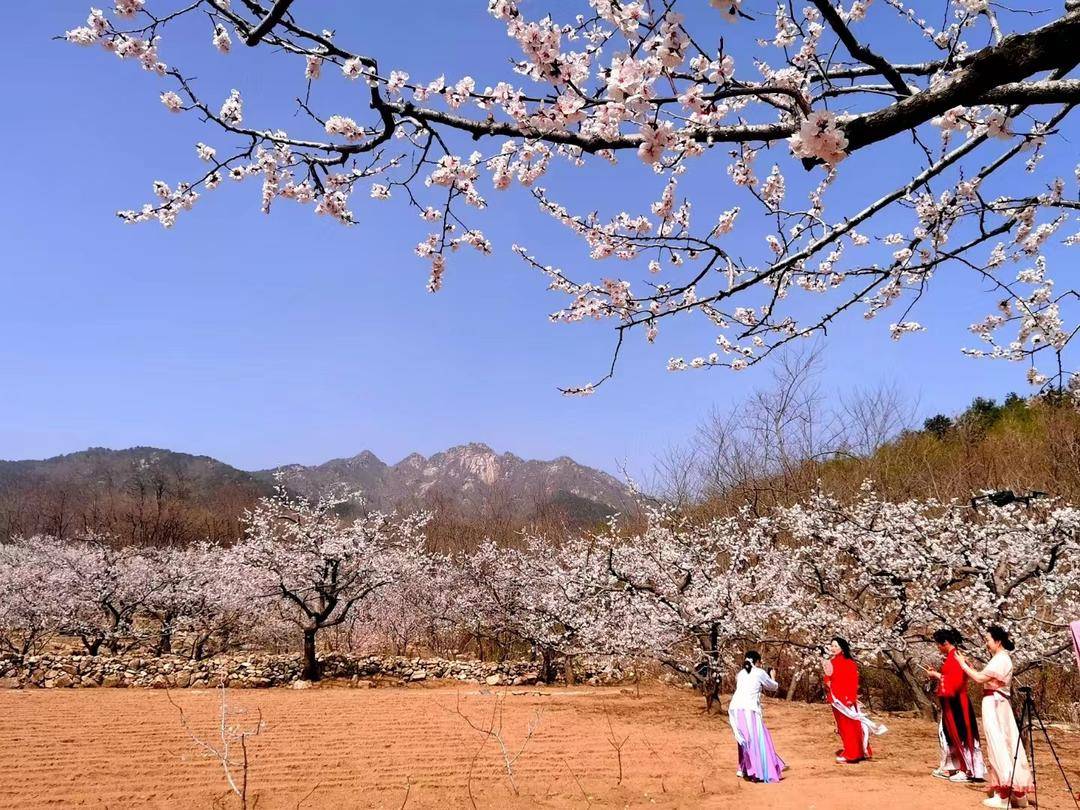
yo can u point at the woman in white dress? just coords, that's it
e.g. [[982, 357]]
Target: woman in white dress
[[1009, 776], [758, 760]]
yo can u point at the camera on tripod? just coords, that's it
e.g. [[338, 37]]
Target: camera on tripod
[[1029, 717]]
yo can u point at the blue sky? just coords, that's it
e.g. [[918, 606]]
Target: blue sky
[[264, 340]]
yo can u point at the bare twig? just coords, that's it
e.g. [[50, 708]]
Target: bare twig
[[615, 742], [230, 734]]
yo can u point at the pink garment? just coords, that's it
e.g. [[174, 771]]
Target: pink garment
[[1074, 628]]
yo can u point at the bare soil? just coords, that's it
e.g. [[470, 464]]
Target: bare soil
[[412, 747]]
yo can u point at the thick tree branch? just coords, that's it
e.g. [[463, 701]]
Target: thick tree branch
[[1015, 57], [268, 22], [1048, 91]]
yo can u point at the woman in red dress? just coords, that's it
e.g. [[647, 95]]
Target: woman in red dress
[[842, 692]]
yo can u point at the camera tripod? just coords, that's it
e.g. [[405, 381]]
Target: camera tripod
[[1029, 716]]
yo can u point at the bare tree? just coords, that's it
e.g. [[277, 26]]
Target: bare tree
[[231, 735]]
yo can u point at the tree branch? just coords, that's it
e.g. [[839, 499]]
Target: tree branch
[[268, 22], [860, 51]]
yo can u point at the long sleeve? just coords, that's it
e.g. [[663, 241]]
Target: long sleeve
[[845, 681], [767, 683], [952, 676]]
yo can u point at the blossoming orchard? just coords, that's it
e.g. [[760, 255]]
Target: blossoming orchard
[[971, 120], [678, 593]]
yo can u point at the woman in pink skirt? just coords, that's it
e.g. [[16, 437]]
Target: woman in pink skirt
[[758, 760]]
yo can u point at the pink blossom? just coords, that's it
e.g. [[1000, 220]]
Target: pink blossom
[[344, 126], [128, 8], [997, 125], [397, 81], [81, 36], [222, 41], [898, 330], [820, 137], [172, 101], [353, 68], [232, 110], [654, 140], [729, 8]]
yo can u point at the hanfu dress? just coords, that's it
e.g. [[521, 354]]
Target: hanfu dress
[[958, 731], [758, 759], [1008, 771], [852, 723]]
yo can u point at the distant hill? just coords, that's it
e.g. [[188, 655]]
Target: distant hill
[[100, 467], [152, 495], [471, 479]]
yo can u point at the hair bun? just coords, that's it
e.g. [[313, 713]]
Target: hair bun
[[1001, 636]]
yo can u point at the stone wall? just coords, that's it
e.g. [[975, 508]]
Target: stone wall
[[259, 670]]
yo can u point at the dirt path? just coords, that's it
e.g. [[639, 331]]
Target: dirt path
[[344, 748]]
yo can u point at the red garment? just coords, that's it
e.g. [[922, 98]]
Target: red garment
[[953, 678], [843, 685], [960, 730]]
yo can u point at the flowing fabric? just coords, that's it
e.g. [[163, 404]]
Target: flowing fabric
[[1009, 772], [757, 754], [852, 724], [958, 731]]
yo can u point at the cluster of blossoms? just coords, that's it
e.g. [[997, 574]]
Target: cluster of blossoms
[[679, 591], [820, 138], [627, 77]]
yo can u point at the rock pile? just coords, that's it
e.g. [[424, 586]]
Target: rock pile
[[257, 670]]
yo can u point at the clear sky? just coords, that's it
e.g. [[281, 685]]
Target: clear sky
[[265, 340]]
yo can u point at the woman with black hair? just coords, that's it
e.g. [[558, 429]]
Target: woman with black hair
[[1009, 775], [758, 760], [958, 731], [842, 690]]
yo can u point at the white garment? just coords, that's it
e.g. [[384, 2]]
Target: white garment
[[748, 688], [856, 713], [1005, 753], [1000, 668]]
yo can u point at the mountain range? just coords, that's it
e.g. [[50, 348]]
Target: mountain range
[[467, 482]]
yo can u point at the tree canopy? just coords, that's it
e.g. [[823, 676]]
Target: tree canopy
[[969, 119]]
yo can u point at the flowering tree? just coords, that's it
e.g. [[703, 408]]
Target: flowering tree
[[33, 600], [548, 596], [694, 592], [419, 607], [652, 82], [565, 605], [320, 566], [106, 587], [204, 592], [681, 592], [886, 575]]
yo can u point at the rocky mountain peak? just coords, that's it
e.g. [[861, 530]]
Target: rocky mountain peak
[[471, 481]]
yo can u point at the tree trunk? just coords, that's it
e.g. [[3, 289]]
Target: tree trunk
[[795, 679], [164, 646], [568, 670], [310, 671], [547, 666], [922, 702]]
